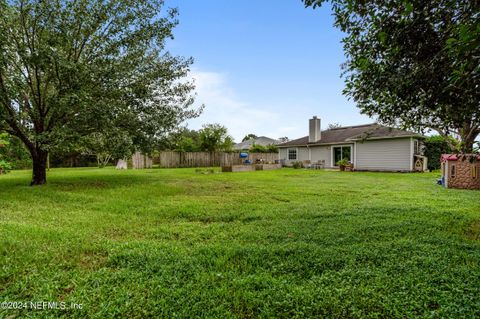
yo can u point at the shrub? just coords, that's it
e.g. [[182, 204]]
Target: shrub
[[297, 164], [272, 148], [5, 166], [343, 162], [14, 152], [435, 146], [256, 148]]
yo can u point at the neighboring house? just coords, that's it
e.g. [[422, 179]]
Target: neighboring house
[[261, 140], [367, 147]]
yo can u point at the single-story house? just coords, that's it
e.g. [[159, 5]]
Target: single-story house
[[370, 147], [261, 140]]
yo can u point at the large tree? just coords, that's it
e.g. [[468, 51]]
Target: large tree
[[215, 137], [71, 68], [414, 63]]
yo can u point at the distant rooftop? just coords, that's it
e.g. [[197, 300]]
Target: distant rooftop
[[261, 140]]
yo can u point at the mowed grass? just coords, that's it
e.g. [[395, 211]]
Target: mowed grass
[[286, 243]]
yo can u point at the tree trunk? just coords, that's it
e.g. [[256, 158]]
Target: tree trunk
[[468, 134], [467, 144], [39, 159]]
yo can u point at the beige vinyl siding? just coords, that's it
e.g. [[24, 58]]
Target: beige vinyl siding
[[302, 154], [387, 155], [282, 154], [321, 153]]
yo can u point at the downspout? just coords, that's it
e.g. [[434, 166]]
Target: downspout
[[411, 154], [354, 154]]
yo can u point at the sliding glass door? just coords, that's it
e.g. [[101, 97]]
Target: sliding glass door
[[341, 152]]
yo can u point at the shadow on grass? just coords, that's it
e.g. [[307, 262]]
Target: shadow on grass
[[74, 180]]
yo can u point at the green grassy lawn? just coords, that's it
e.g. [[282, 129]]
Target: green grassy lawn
[[287, 243]]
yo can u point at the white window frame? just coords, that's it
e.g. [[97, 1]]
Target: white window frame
[[296, 154], [332, 153], [416, 147], [453, 171]]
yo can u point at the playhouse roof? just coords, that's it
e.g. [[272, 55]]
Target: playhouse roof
[[455, 157]]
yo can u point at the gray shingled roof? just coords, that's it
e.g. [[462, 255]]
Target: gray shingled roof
[[261, 140], [352, 133]]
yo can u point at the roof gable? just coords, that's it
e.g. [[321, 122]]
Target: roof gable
[[261, 140]]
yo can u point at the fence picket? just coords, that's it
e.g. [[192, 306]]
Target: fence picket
[[172, 159]]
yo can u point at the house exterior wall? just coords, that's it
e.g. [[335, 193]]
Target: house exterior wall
[[282, 154], [321, 153], [302, 154], [394, 154], [463, 176], [312, 153], [385, 155]]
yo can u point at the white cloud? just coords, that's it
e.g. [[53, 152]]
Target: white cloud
[[224, 107], [285, 114]]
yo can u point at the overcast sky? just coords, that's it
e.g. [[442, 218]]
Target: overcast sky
[[263, 67]]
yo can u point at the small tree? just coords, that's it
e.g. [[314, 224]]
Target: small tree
[[271, 148], [257, 148], [434, 147], [15, 153], [334, 125], [108, 146], [249, 137], [214, 137], [187, 144], [183, 140]]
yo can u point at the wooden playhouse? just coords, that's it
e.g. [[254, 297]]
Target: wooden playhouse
[[461, 171]]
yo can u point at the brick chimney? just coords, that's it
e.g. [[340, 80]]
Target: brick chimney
[[314, 133]]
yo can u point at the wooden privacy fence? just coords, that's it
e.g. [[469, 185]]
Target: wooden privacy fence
[[172, 159], [140, 161]]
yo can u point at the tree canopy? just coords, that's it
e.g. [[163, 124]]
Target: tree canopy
[[250, 136], [413, 63], [334, 125], [73, 68], [434, 147], [257, 148], [210, 138], [215, 137]]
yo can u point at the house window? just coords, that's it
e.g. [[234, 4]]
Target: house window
[[474, 171], [453, 171], [292, 154], [342, 152], [416, 147]]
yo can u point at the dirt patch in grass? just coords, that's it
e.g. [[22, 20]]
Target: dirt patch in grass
[[280, 199], [92, 260], [473, 230], [65, 292]]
